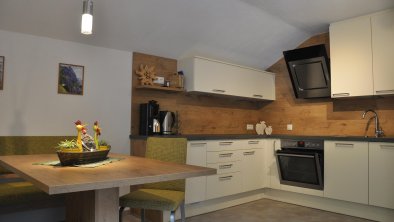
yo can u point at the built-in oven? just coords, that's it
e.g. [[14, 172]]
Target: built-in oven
[[301, 163]]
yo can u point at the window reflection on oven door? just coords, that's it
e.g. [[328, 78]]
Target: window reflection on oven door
[[299, 168]]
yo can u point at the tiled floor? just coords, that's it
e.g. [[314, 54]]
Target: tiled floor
[[267, 211]]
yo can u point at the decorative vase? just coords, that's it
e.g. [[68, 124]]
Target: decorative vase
[[260, 127]]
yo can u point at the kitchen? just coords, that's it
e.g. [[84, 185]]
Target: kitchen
[[199, 114]]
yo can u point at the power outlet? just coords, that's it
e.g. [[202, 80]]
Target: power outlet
[[249, 127], [290, 127]]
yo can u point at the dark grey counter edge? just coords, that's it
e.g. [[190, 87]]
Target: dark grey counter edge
[[275, 136]]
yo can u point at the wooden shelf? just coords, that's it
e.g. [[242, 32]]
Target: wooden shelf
[[170, 89]]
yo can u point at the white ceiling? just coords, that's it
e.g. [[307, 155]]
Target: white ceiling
[[247, 32]]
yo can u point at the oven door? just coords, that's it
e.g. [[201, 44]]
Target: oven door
[[301, 168]]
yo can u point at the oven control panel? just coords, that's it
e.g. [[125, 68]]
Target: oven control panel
[[311, 144]]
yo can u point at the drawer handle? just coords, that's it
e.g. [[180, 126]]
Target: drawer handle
[[385, 91], [225, 143], [219, 90], [198, 144], [253, 142], [225, 178], [341, 94], [349, 145], [227, 166], [249, 153], [258, 96], [387, 146], [225, 154]]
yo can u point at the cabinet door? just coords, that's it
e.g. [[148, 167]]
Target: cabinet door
[[210, 76], [346, 171], [196, 187], [271, 166], [381, 174], [351, 58], [382, 49], [259, 85], [252, 169]]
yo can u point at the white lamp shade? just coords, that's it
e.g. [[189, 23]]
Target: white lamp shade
[[87, 23]]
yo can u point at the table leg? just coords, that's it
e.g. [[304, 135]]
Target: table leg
[[93, 206]]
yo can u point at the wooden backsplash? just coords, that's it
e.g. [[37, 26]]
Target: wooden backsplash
[[204, 114]]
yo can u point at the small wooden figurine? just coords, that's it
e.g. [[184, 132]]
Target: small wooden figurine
[[146, 74], [80, 129]]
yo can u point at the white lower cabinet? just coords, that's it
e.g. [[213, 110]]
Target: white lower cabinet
[[221, 185], [196, 187], [381, 174], [346, 171], [239, 164], [270, 165], [252, 168], [227, 181]]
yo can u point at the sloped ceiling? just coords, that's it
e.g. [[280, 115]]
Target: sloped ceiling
[[247, 32]]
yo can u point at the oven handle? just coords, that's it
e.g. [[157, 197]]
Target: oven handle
[[295, 155]]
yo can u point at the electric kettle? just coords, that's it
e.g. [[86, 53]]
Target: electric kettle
[[167, 120]]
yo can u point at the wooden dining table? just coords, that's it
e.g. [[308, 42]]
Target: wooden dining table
[[92, 194]]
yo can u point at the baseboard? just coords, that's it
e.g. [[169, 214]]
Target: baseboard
[[327, 204], [322, 203]]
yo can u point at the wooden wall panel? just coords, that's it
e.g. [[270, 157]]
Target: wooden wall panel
[[205, 114]]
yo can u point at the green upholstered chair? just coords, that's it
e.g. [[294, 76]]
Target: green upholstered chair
[[164, 196]]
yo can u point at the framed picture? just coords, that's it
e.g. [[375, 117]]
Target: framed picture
[[70, 79], [2, 58]]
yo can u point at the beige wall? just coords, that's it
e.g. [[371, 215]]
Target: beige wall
[[31, 106]]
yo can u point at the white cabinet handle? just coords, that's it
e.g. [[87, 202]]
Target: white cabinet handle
[[225, 143], [198, 144], [219, 90], [249, 153], [387, 146], [348, 145], [253, 142], [225, 154], [341, 94], [384, 91], [226, 166], [225, 178], [257, 95]]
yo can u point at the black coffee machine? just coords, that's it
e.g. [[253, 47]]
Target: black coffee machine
[[149, 118]]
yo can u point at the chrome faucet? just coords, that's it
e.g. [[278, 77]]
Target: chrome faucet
[[378, 130]]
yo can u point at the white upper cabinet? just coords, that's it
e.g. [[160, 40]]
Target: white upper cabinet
[[351, 58], [212, 76], [361, 57], [382, 49]]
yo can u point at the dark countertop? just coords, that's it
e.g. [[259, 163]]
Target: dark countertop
[[274, 136]]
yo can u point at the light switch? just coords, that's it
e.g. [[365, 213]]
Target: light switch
[[249, 126], [290, 126]]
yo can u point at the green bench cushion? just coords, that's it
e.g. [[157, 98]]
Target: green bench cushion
[[164, 200], [22, 193], [24, 145]]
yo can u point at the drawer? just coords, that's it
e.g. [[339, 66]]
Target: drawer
[[227, 167], [218, 145], [223, 185], [223, 156], [253, 144]]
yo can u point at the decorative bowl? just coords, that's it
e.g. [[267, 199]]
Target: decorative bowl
[[72, 158]]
